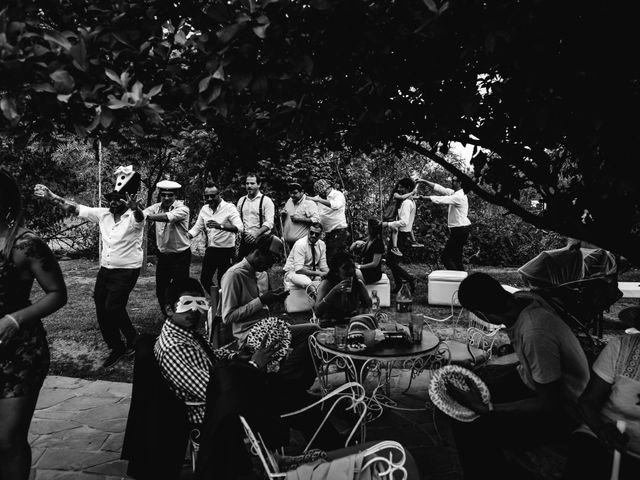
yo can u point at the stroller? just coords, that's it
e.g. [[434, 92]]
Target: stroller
[[580, 284]]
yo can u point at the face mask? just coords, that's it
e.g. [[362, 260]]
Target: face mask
[[187, 303]]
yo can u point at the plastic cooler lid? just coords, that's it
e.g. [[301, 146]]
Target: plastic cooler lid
[[448, 275]]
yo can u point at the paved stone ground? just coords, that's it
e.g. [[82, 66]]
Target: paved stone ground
[[78, 428]]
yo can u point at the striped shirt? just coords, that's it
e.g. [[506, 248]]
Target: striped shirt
[[185, 365]]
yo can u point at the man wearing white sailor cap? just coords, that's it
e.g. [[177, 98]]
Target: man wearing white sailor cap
[[171, 217]]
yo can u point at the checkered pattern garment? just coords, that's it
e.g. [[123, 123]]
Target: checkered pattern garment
[[185, 364]]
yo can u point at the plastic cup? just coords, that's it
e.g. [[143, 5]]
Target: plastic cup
[[340, 333], [415, 327], [349, 285]]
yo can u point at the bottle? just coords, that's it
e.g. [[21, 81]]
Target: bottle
[[404, 304], [375, 301]]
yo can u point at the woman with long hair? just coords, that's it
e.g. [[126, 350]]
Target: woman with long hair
[[24, 352], [371, 251], [341, 295]]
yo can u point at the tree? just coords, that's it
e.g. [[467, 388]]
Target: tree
[[533, 84]]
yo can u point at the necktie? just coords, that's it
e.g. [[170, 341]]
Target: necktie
[[313, 257]]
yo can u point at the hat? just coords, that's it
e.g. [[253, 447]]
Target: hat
[[127, 182], [270, 243], [168, 185]]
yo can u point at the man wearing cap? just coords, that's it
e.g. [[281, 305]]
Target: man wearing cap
[[299, 213], [174, 246], [121, 229], [242, 305], [331, 208], [220, 222], [457, 220]]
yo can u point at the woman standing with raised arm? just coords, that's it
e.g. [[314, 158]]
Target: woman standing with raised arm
[[24, 352]]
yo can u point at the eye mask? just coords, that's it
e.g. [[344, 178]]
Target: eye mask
[[187, 302]]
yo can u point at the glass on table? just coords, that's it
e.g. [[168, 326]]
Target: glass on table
[[415, 327], [340, 334]]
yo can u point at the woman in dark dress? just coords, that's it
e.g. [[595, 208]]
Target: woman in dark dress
[[24, 353], [370, 271], [341, 295]]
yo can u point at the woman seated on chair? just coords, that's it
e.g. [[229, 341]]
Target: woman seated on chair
[[341, 295], [370, 253]]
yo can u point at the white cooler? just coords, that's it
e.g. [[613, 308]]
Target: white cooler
[[383, 290], [443, 284], [297, 300]]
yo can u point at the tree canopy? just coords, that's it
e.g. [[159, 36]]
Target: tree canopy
[[536, 85]]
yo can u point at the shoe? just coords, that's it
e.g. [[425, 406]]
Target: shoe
[[131, 346], [396, 251], [113, 358]]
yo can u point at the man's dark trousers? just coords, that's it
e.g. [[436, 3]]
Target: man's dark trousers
[[215, 258], [170, 267], [111, 295], [452, 253], [393, 262]]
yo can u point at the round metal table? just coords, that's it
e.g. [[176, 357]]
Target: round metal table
[[377, 362]]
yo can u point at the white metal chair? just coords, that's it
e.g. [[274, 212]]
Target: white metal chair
[[385, 467], [352, 394]]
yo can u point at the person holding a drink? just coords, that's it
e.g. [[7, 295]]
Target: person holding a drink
[[341, 295]]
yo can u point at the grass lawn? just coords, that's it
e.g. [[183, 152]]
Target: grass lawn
[[77, 348]]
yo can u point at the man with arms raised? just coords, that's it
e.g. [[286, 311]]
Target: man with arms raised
[[121, 228]]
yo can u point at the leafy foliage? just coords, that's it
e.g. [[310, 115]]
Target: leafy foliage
[[532, 84]]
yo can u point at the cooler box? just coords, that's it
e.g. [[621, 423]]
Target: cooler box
[[297, 300], [383, 287], [443, 284]]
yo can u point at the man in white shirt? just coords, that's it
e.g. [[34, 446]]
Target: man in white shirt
[[332, 215], [404, 225], [299, 213], [457, 220], [257, 213], [171, 217], [220, 221], [307, 261], [121, 228]]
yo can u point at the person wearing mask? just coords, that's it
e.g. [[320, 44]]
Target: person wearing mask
[[121, 229], [171, 217], [220, 222]]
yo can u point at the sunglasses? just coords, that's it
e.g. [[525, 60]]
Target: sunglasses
[[211, 196], [167, 194]]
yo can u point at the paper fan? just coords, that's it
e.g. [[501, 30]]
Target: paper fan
[[453, 374], [273, 329]]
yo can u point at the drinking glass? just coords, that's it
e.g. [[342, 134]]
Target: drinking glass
[[415, 327], [340, 333]]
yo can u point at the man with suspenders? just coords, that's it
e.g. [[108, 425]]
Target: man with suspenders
[[257, 213]]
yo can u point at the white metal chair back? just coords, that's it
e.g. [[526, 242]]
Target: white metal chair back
[[385, 466]]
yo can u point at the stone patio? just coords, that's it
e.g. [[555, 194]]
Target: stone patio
[[77, 430]]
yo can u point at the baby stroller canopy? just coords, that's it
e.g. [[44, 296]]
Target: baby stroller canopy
[[553, 268]]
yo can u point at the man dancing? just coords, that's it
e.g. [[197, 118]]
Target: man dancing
[[121, 228]]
